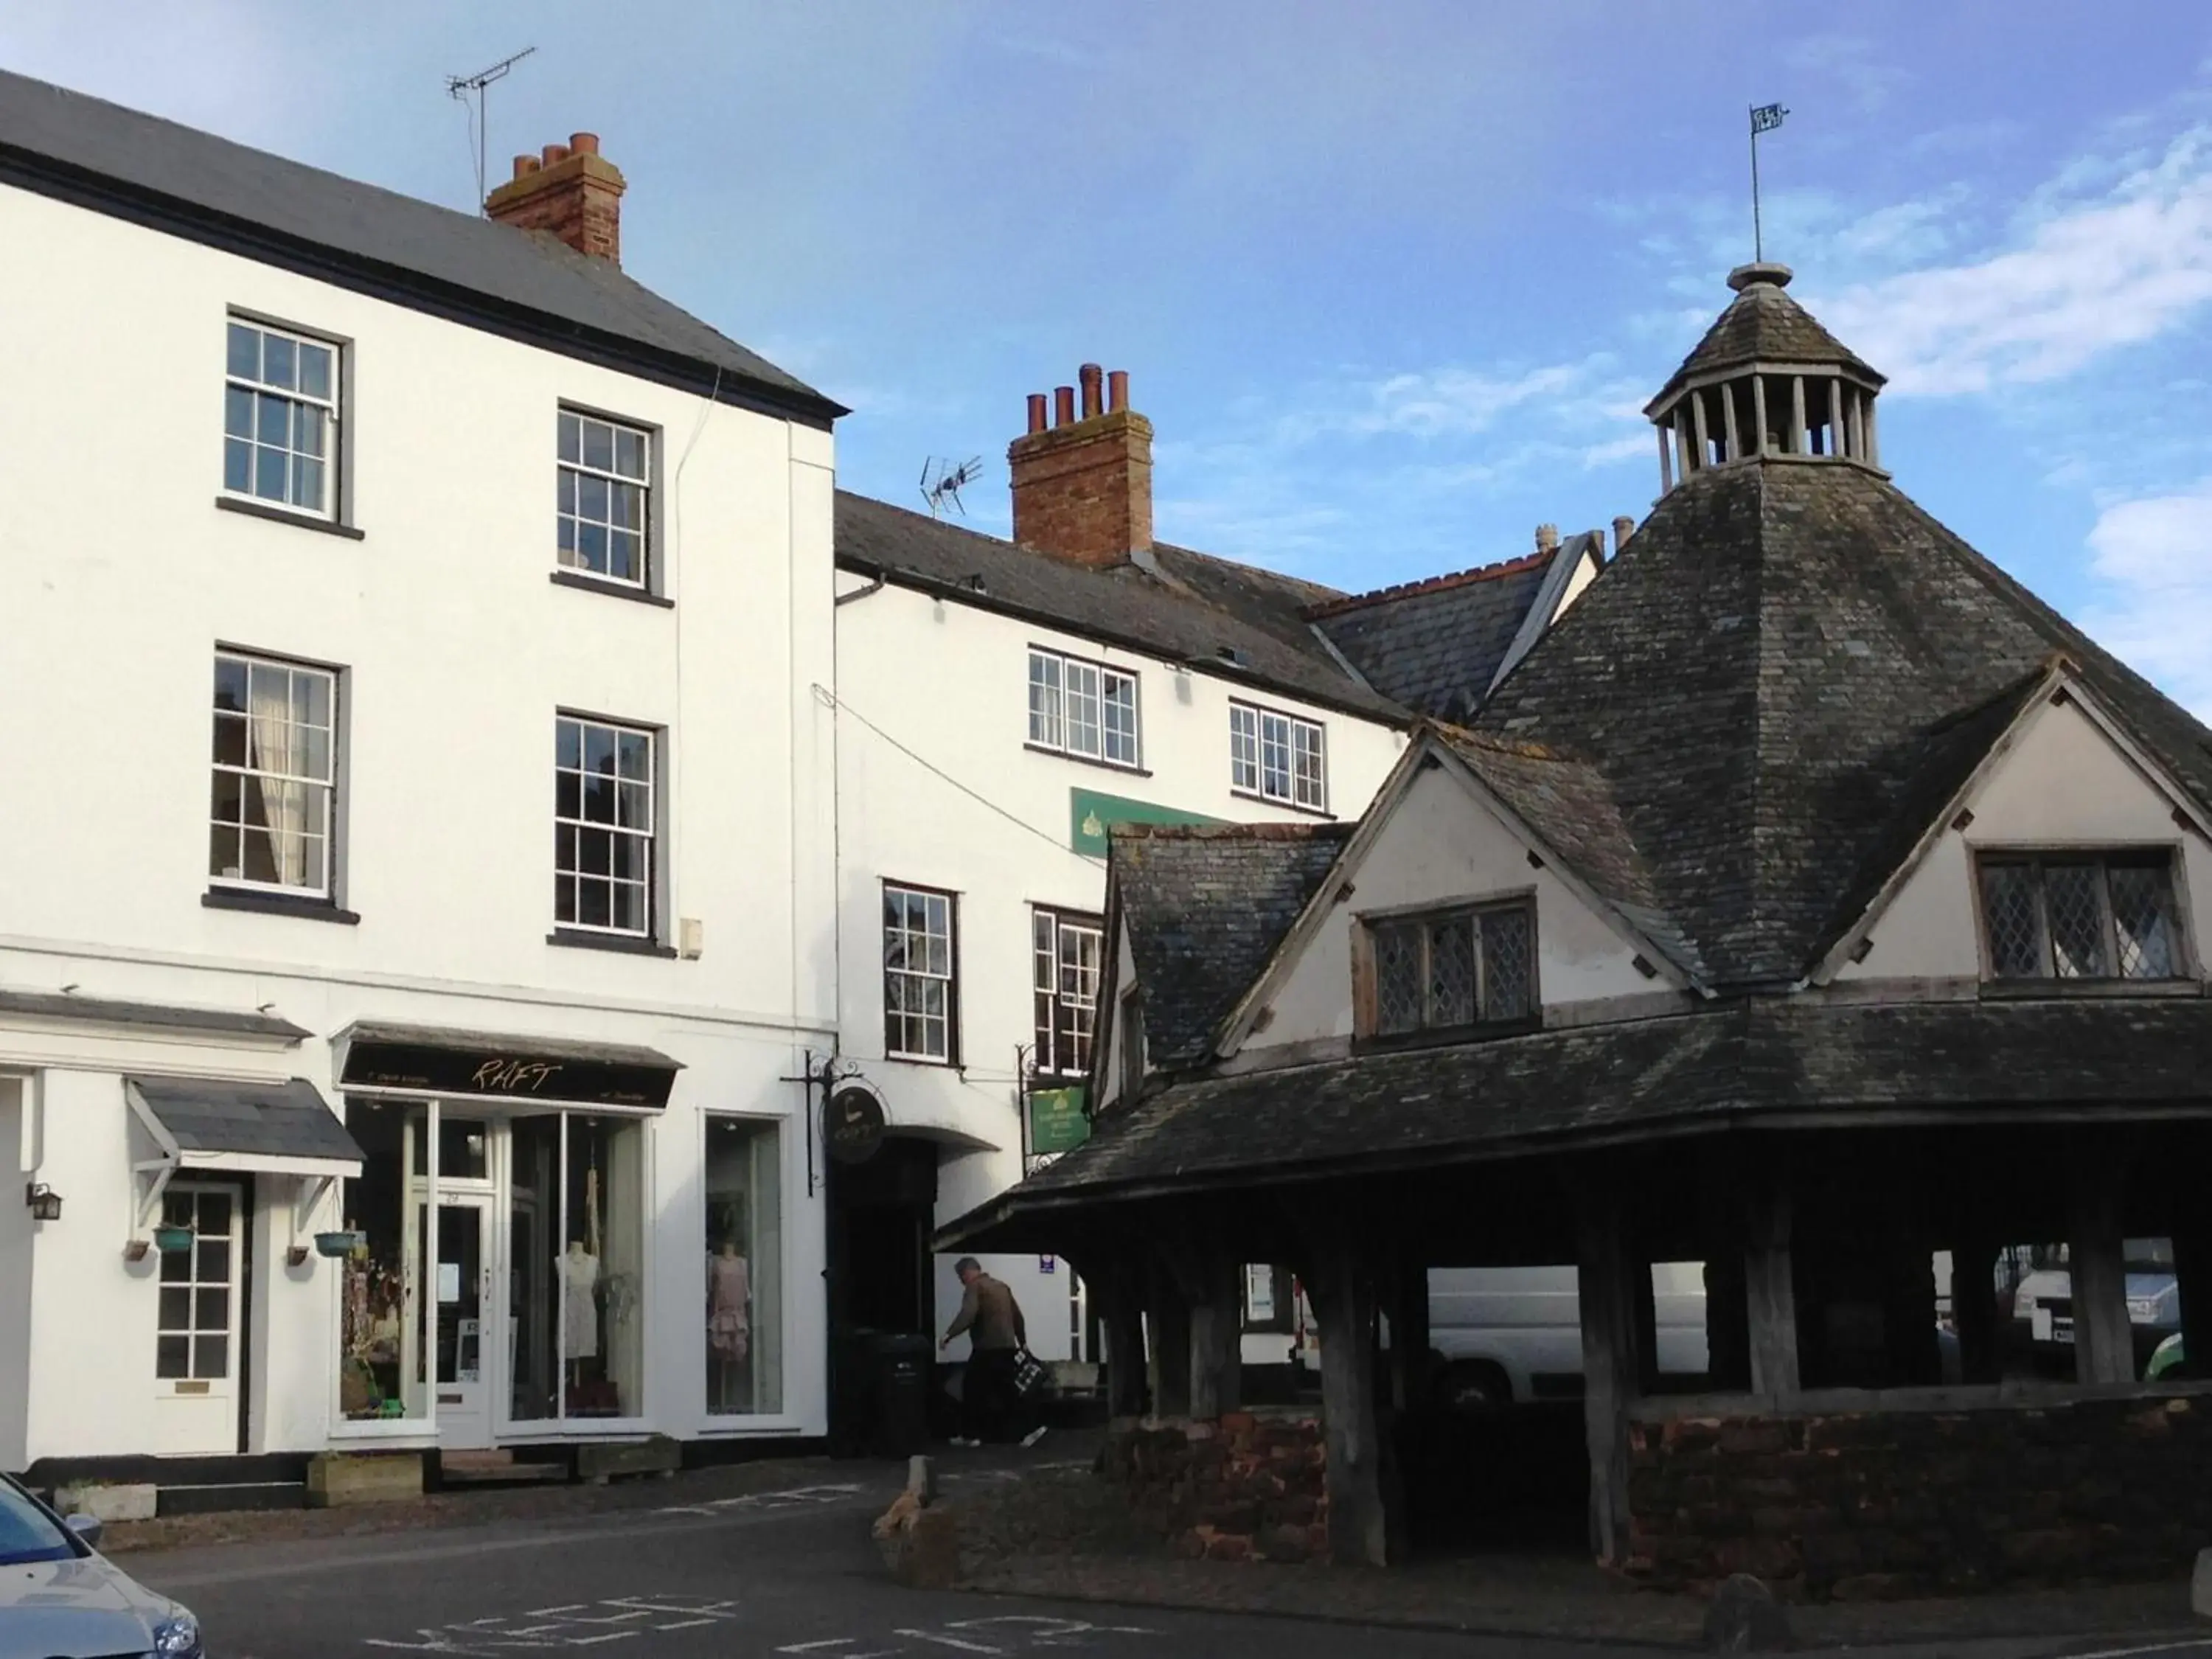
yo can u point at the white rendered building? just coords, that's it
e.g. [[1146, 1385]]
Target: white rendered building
[[419, 866]]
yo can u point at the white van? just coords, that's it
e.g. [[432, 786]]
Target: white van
[[1513, 1335]]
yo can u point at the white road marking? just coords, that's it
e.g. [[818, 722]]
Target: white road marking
[[2194, 1644], [948, 1641]]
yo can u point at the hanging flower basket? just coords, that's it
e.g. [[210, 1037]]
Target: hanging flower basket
[[340, 1243], [173, 1241]]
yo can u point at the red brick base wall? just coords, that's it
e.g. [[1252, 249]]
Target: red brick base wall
[[1248, 1488], [1909, 1503]]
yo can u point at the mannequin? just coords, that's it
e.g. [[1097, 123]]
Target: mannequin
[[580, 1278], [729, 1329]]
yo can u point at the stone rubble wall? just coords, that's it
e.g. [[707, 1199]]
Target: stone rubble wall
[[1893, 1503], [1249, 1487]]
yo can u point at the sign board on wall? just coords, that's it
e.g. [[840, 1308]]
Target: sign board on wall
[[852, 1124], [1092, 814], [1057, 1122]]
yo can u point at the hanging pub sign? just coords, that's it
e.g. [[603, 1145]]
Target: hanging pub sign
[[461, 1066], [852, 1124], [1057, 1121]]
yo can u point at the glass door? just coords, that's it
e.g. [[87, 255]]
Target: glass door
[[465, 1292]]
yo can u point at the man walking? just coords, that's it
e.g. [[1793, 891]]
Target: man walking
[[992, 1321]]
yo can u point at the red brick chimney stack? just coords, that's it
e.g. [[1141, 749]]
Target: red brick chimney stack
[[570, 190], [1082, 488]]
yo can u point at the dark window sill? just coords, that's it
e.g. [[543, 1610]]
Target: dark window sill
[[922, 1060], [1371, 1044], [278, 904], [1089, 760], [2034, 990], [281, 515], [622, 945], [1287, 806], [583, 583]]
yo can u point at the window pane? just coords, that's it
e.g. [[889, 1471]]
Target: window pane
[[211, 1309], [2077, 924], [572, 443], [568, 743], [1044, 700], [237, 411], [176, 1308], [1119, 718], [238, 465], [744, 1267], [598, 445], [172, 1357], [1397, 979], [269, 481], [1508, 961], [1082, 681], [2141, 905], [277, 362], [636, 755], [315, 370], [1451, 972], [2010, 912], [629, 453], [211, 1356], [1243, 748], [244, 352]]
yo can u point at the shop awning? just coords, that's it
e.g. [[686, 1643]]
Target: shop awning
[[486, 1065], [277, 1128]]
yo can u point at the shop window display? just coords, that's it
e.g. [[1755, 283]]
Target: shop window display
[[576, 1266], [744, 1267], [380, 1347]]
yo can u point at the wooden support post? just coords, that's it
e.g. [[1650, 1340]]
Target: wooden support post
[[1974, 1310], [2104, 1346], [2192, 1266], [1728, 1332], [1666, 461], [1835, 417], [1343, 1291], [1409, 1338], [1697, 423], [1644, 1305], [1217, 1333], [1799, 442], [1685, 445], [1770, 1289], [1729, 428], [1120, 1311], [1611, 1366], [1758, 412], [1167, 1326], [1873, 442]]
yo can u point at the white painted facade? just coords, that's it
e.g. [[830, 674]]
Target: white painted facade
[[937, 787], [453, 650]]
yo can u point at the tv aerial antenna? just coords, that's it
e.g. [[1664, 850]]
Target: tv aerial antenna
[[942, 483], [474, 90]]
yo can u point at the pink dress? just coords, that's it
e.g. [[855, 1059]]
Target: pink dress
[[729, 1290]]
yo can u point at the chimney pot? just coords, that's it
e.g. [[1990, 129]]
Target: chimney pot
[[553, 152], [1091, 376], [583, 143], [1036, 412], [525, 166], [1117, 390], [1547, 537], [1063, 406], [1623, 528]]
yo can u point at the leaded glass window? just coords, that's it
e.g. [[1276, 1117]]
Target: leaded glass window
[[2080, 915], [1454, 970]]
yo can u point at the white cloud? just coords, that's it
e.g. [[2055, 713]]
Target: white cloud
[[2156, 555], [1450, 401], [2104, 264]]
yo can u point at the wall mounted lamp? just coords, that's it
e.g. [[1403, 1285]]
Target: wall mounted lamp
[[45, 1203]]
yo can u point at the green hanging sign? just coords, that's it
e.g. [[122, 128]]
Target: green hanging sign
[[1057, 1122], [1092, 814]]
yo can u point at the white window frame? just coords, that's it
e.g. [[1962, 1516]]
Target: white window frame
[[293, 397], [318, 881], [1053, 699], [1051, 930], [573, 476], [636, 797], [1277, 756], [933, 898]]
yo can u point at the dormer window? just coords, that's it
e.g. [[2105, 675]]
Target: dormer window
[[2077, 915], [1455, 969]]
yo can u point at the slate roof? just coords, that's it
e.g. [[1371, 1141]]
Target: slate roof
[[1753, 1058], [1187, 611], [1205, 907], [61, 142], [266, 1120], [1763, 325], [1436, 645], [57, 1004], [1742, 724]]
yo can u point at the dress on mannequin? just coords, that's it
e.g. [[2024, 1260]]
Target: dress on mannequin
[[729, 1292], [580, 1277]]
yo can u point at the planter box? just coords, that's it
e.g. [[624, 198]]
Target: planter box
[[108, 1500], [340, 1479], [608, 1459]]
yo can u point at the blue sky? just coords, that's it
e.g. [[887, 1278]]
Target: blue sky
[[1391, 279]]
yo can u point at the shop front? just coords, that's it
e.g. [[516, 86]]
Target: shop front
[[501, 1250]]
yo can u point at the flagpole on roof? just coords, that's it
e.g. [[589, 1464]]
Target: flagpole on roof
[[1765, 118]]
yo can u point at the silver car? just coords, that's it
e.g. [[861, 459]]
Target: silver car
[[61, 1599]]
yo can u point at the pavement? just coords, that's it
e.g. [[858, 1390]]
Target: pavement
[[777, 1560]]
